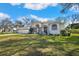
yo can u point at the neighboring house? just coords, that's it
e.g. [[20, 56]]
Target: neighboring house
[[45, 27], [23, 30], [8, 29]]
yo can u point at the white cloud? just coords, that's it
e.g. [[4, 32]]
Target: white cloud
[[35, 6], [38, 6], [53, 4], [14, 4], [41, 18], [31, 17], [34, 16], [3, 16]]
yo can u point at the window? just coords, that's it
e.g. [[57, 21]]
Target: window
[[54, 27]]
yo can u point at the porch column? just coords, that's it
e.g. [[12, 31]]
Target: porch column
[[42, 29]]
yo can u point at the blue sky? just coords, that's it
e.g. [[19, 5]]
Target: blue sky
[[31, 10]]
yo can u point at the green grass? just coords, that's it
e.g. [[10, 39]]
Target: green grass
[[42, 45], [74, 31]]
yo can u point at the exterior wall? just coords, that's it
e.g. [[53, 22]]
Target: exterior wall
[[54, 31], [22, 31], [62, 26], [49, 27]]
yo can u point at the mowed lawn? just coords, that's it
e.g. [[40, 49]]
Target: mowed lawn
[[38, 45]]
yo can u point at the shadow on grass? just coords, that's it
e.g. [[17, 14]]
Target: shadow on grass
[[73, 38], [74, 52], [34, 47]]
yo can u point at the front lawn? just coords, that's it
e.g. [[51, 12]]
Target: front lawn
[[42, 45]]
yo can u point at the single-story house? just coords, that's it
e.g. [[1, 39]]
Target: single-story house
[[48, 27]]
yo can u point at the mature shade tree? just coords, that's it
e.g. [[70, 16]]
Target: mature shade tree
[[73, 17], [6, 25], [18, 24], [24, 20], [61, 19], [67, 6]]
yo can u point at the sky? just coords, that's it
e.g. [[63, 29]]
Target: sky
[[40, 11]]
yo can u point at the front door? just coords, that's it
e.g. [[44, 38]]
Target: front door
[[45, 30]]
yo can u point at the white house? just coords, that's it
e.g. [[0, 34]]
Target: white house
[[48, 27], [43, 27]]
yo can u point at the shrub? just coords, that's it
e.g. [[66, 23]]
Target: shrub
[[65, 33], [31, 30]]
